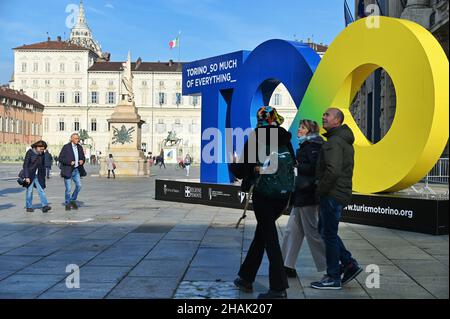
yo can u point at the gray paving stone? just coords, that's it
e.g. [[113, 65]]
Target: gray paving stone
[[216, 257], [102, 274], [405, 252], [211, 273], [160, 269], [206, 290], [6, 273], [420, 268], [28, 286], [435, 285], [34, 250], [86, 291], [47, 267], [173, 250], [116, 260], [184, 236], [144, 288], [16, 262], [344, 293]]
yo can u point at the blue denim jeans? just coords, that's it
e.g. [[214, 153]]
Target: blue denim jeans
[[29, 194], [68, 183], [329, 217]]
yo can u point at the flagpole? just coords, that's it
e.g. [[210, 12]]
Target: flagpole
[[179, 46]]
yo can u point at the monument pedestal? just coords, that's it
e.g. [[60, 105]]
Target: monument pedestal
[[125, 142], [172, 154]]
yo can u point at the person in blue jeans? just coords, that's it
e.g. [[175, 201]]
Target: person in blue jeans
[[334, 174], [34, 176], [72, 161]]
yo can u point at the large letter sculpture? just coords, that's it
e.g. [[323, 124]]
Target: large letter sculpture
[[410, 55]]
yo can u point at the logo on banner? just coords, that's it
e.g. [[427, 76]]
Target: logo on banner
[[192, 192], [241, 196], [170, 190]]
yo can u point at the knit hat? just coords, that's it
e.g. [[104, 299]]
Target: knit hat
[[267, 116]]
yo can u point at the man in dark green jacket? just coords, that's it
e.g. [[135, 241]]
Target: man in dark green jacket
[[334, 187]]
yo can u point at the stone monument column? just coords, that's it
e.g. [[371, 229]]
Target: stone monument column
[[125, 133]]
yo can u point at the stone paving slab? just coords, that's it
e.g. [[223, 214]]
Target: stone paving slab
[[89, 290], [27, 286], [160, 269], [144, 288], [206, 290]]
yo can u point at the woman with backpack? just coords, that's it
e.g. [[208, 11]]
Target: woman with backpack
[[268, 201], [304, 217], [34, 176]]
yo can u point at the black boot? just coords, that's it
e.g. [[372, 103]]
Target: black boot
[[243, 284], [273, 294], [45, 209], [291, 273], [74, 205]]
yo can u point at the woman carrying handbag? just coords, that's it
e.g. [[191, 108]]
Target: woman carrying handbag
[[33, 175]]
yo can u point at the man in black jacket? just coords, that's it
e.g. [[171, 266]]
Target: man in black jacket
[[334, 175], [72, 161]]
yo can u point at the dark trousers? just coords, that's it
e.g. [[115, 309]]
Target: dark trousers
[[329, 217], [109, 173], [267, 212], [162, 163], [47, 171]]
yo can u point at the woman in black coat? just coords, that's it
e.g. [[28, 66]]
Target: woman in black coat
[[304, 217], [34, 175], [267, 209]]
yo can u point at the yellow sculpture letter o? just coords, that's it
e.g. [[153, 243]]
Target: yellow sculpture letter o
[[419, 69]]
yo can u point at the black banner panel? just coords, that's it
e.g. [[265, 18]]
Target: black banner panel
[[425, 215]]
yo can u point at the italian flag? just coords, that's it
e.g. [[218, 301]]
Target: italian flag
[[174, 43]]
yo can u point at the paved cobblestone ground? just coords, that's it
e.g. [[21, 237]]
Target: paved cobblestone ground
[[128, 245]]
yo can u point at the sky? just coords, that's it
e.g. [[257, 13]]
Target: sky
[[208, 27]]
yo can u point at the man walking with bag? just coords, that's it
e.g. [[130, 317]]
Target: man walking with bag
[[72, 161], [334, 176]]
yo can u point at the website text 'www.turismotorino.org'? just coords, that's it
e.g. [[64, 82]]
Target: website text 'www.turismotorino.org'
[[380, 210]]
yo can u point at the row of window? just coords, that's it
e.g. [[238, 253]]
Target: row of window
[[48, 82], [48, 67], [63, 97], [15, 126], [13, 102], [62, 125], [110, 98]]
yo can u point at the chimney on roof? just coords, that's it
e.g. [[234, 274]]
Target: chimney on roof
[[138, 63], [58, 38], [21, 91], [170, 62], [48, 38]]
